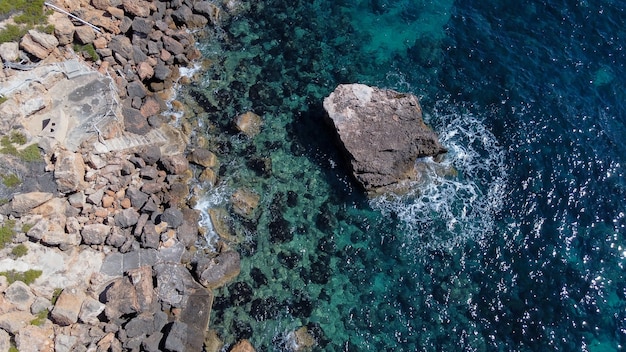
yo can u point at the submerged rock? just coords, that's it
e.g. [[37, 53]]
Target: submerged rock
[[382, 132]]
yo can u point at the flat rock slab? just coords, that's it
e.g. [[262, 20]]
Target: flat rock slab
[[382, 132]]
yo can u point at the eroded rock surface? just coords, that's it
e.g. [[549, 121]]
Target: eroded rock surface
[[382, 132]]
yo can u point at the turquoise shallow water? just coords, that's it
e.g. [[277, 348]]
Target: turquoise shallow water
[[523, 250]]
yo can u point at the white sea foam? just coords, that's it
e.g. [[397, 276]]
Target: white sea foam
[[216, 197], [447, 210]]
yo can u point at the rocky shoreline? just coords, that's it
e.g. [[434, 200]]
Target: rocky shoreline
[[106, 222]]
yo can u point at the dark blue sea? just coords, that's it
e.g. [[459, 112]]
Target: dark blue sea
[[522, 249]]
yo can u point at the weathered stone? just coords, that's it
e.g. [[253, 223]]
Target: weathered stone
[[137, 7], [77, 200], [173, 217], [382, 132], [174, 284], [12, 322], [187, 233], [39, 305], [151, 106], [20, 295], [5, 340], [69, 171], [115, 12], [216, 272], [121, 299], [67, 306], [104, 4], [98, 19], [90, 310], [9, 51], [85, 34], [208, 9], [142, 25], [139, 325], [209, 176], [63, 28], [51, 231], [175, 164], [121, 44], [126, 218], [136, 89], [221, 223], [152, 342], [95, 233], [96, 198], [249, 123], [47, 41], [243, 346], [33, 338], [22, 203], [29, 45], [65, 343], [176, 337], [161, 71], [149, 236], [149, 173], [137, 197], [245, 202], [299, 340], [138, 52], [134, 121], [172, 45], [203, 157], [212, 342], [141, 278]]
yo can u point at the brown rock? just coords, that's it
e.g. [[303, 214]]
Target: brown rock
[[145, 71], [67, 306], [115, 12], [209, 176], [69, 171], [218, 271], [125, 203], [63, 28], [175, 164], [30, 46], [100, 43], [85, 34], [245, 202], [382, 132], [33, 338], [203, 157], [121, 298], [243, 346], [95, 233], [12, 322], [141, 278], [107, 201], [137, 7], [150, 107], [172, 45], [249, 123], [22, 203], [221, 224], [104, 4]]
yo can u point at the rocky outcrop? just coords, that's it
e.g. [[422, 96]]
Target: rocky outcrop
[[382, 132]]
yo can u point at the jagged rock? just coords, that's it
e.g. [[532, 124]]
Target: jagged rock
[[161, 71], [175, 164], [95, 233], [173, 217], [51, 231], [176, 337], [141, 278], [121, 44], [212, 342], [208, 9], [140, 325], [63, 28], [136, 89], [142, 25], [216, 272], [84, 34], [104, 4], [69, 171], [150, 155], [187, 233], [40, 304], [209, 176], [382, 132], [203, 157], [9, 51], [67, 306], [152, 342], [245, 202], [90, 310], [243, 346], [137, 197], [126, 218], [299, 340], [137, 7], [38, 44], [33, 338], [249, 123], [151, 106], [116, 12], [5, 340], [12, 322], [65, 343], [174, 284], [149, 236], [22, 203], [20, 295], [121, 299], [172, 45], [178, 194], [221, 224]]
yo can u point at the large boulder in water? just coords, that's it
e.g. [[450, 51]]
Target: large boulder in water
[[383, 134]]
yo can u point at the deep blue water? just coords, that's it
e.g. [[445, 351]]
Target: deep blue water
[[523, 250]]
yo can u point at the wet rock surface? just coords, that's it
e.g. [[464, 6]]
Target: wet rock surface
[[382, 132]]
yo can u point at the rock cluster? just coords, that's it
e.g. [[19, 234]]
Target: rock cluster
[[383, 134], [115, 233]]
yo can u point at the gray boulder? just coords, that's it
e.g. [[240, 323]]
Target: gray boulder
[[382, 132]]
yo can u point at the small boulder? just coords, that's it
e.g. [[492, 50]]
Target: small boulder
[[85, 34], [216, 272], [20, 295], [175, 164], [126, 218], [22, 203], [63, 28], [249, 123], [203, 157], [69, 171], [95, 233], [245, 202], [90, 310], [138, 8], [243, 346], [177, 337], [67, 307], [9, 51], [173, 217]]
